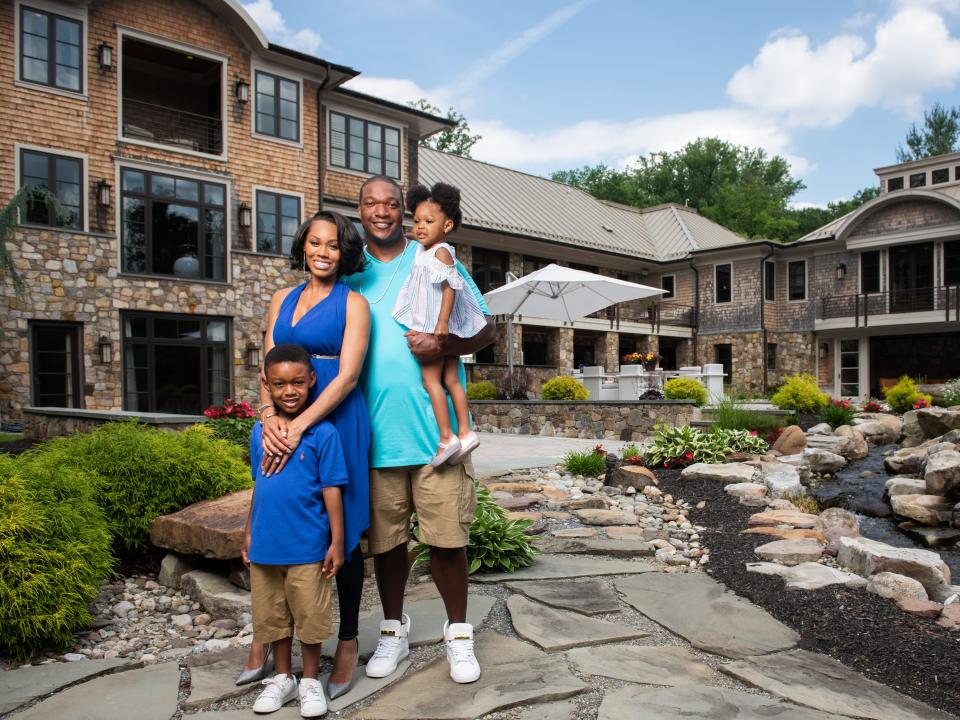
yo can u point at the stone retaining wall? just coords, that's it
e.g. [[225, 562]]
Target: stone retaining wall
[[46, 423], [587, 419], [527, 379]]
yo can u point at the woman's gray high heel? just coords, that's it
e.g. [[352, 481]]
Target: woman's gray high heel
[[335, 690], [249, 676]]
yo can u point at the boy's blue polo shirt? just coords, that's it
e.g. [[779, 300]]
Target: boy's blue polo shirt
[[289, 524], [403, 429]]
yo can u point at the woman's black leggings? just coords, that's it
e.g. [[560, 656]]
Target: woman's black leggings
[[349, 590]]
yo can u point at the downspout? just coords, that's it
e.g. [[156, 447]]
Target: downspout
[[320, 125], [763, 307], [696, 309]]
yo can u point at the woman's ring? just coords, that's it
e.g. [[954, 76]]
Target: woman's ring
[[276, 459]]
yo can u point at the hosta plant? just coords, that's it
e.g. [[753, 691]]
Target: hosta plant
[[497, 544], [681, 446]]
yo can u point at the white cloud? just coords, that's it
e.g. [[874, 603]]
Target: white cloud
[[272, 23], [859, 21], [913, 53]]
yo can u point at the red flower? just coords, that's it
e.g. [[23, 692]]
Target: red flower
[[753, 432], [598, 449], [920, 404]]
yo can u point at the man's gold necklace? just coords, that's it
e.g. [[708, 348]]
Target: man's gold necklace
[[406, 242]]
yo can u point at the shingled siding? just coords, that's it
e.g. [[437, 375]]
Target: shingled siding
[[911, 214], [743, 312]]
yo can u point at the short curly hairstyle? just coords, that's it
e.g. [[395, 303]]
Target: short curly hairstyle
[[444, 195], [352, 258]]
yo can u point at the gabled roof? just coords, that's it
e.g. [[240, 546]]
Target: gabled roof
[[497, 198]]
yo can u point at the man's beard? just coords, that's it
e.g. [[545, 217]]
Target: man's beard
[[393, 239]]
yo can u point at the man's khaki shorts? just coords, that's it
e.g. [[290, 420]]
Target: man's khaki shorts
[[444, 499], [288, 595]]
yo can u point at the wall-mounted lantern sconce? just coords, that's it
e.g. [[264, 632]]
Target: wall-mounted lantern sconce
[[246, 217], [241, 90], [823, 351], [253, 355], [103, 193], [105, 56], [841, 271], [105, 350]]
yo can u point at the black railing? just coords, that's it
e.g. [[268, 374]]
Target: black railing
[[169, 126], [863, 306]]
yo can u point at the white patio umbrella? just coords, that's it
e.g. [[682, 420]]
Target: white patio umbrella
[[560, 293]]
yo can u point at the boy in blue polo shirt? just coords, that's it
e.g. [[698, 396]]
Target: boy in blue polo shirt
[[294, 538]]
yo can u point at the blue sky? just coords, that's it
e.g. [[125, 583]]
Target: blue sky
[[551, 84]]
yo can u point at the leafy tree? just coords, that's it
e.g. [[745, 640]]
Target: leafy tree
[[456, 140], [809, 219], [940, 134]]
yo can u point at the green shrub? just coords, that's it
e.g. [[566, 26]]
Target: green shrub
[[837, 413], [951, 393], [497, 544], [728, 415], [234, 430], [904, 395], [685, 389], [563, 387], [482, 390], [629, 451], [54, 551], [681, 446], [584, 463], [146, 472], [800, 394]]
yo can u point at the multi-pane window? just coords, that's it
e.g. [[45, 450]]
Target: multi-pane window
[[55, 363], [278, 217], [951, 262], [769, 281], [277, 106], [870, 271], [63, 177], [489, 268], [174, 363], [797, 280], [940, 176], [918, 180], [723, 279], [667, 282], [358, 144], [173, 226], [895, 184], [50, 49]]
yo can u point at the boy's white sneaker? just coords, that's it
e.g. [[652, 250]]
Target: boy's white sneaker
[[392, 647], [458, 638], [312, 701], [280, 689]]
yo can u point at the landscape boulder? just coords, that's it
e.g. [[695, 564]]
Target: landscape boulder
[[793, 518], [913, 434], [790, 552], [807, 576], [895, 586], [823, 462], [635, 476], [905, 486], [906, 461], [937, 421], [869, 557], [858, 443], [879, 428], [721, 472], [942, 474], [819, 429], [606, 517], [836, 444], [781, 479], [749, 493], [835, 523], [930, 510], [791, 441], [210, 528]]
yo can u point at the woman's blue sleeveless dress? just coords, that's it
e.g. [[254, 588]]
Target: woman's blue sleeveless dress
[[320, 332]]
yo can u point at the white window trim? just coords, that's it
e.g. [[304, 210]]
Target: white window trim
[[277, 191], [74, 13], [716, 285], [763, 281], [806, 281], [84, 174], [122, 32], [157, 167], [402, 127], [284, 74], [673, 296], [860, 255]]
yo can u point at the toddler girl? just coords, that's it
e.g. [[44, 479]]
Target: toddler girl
[[434, 300]]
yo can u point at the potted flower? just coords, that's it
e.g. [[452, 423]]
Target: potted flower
[[650, 360], [632, 358]]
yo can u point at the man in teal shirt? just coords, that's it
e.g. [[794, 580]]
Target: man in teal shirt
[[404, 438]]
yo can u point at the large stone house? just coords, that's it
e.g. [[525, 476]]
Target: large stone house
[[185, 150]]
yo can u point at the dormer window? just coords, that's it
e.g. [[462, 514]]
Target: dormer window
[[918, 180], [940, 176], [894, 184]]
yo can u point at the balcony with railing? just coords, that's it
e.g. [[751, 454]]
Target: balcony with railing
[[864, 307], [169, 126]]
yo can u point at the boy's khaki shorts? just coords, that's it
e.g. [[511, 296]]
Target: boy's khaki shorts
[[285, 596], [444, 499]]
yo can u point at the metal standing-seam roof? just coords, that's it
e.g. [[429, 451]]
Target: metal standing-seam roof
[[498, 198]]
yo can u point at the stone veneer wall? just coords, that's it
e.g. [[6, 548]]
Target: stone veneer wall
[[47, 423], [587, 419], [796, 353], [747, 358]]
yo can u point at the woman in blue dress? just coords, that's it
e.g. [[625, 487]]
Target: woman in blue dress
[[332, 323]]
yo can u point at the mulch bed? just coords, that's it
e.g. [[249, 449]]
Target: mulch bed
[[871, 634]]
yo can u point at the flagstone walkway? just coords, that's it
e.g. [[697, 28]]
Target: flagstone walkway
[[574, 636]]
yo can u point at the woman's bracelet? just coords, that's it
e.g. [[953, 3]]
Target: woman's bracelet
[[264, 407], [264, 419]]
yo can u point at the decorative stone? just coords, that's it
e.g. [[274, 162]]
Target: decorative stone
[[626, 532], [553, 567], [879, 428], [820, 682], [709, 616], [819, 429], [920, 608], [786, 533], [942, 474], [905, 486], [554, 629], [781, 479], [727, 473], [894, 586], [807, 576], [869, 557], [749, 493], [22, 685], [935, 421], [574, 533], [589, 597], [515, 488], [694, 702], [791, 441], [823, 462], [633, 476], [210, 528], [836, 444], [514, 673], [664, 665], [172, 568], [929, 510], [606, 517], [858, 443], [215, 593], [790, 552], [794, 518], [932, 536]]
